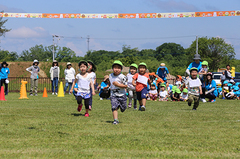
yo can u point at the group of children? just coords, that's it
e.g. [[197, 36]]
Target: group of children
[[229, 90]]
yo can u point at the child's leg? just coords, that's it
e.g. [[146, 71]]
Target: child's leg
[[144, 102], [196, 102], [115, 104], [79, 99], [140, 102], [190, 99], [130, 96], [90, 99], [86, 103], [135, 98], [36, 85]]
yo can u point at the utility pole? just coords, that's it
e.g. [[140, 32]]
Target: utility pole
[[88, 40], [53, 47], [197, 45]]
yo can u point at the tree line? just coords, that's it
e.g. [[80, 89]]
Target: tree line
[[216, 51]]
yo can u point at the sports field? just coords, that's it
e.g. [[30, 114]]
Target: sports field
[[52, 128]]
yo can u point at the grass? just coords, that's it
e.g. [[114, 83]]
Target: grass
[[52, 128]]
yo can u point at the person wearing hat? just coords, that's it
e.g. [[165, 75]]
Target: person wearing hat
[[4, 72], [228, 74], [194, 86], [225, 89], [91, 70], [222, 78], [34, 69], [196, 64], [54, 73], [140, 81], [162, 72], [69, 73], [82, 92], [211, 88], [118, 84], [104, 88], [163, 94], [203, 77], [176, 95], [132, 95], [184, 95]]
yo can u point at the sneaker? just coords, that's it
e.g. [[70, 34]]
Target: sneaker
[[143, 108], [223, 98], [189, 104], [90, 107], [203, 100], [140, 108], [69, 93], [53, 93], [135, 107], [56, 93], [101, 99], [129, 105], [36, 94], [214, 100], [79, 107], [86, 115], [31, 94], [115, 122], [194, 109]]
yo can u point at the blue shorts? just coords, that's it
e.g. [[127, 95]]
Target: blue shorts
[[143, 94]]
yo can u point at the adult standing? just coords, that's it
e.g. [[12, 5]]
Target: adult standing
[[196, 64], [4, 71], [34, 69], [211, 88], [69, 73], [162, 72], [54, 72], [228, 75]]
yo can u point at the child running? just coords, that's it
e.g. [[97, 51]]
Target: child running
[[193, 84], [118, 84], [131, 89], [91, 70], [142, 79], [83, 79]]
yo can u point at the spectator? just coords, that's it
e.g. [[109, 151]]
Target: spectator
[[54, 72], [228, 75], [104, 91], [34, 69], [196, 64], [162, 72], [211, 88], [69, 73], [4, 72]]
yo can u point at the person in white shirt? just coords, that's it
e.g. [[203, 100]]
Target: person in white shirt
[[83, 79], [69, 73], [91, 70], [163, 94], [54, 72], [184, 95], [153, 92]]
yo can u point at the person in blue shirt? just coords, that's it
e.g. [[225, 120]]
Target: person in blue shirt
[[197, 63], [211, 88], [4, 72], [104, 90], [162, 72]]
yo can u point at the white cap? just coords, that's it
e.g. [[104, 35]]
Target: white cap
[[35, 61]]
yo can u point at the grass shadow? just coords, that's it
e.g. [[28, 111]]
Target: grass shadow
[[76, 114]]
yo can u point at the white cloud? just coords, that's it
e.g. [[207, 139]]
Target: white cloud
[[73, 47], [24, 32]]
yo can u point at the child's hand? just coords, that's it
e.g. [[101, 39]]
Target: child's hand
[[71, 91], [201, 92], [93, 93]]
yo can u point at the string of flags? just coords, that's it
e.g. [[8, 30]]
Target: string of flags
[[122, 15]]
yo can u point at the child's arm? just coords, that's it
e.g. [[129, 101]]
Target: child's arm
[[134, 82], [200, 88], [119, 85], [74, 82], [93, 90]]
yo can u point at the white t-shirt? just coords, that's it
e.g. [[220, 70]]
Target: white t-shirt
[[163, 94], [93, 76], [69, 74], [178, 83], [184, 96], [153, 91], [83, 83], [129, 78], [116, 91], [193, 86]]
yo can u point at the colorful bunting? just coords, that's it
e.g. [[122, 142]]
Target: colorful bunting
[[122, 15]]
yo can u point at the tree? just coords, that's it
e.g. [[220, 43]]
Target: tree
[[214, 50], [38, 52], [65, 54], [8, 56], [3, 29], [169, 48]]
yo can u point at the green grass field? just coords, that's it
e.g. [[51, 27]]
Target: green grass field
[[52, 128]]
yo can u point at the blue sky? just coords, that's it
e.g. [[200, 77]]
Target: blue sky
[[29, 32]]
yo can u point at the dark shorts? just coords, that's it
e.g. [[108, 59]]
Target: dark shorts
[[119, 102], [143, 94]]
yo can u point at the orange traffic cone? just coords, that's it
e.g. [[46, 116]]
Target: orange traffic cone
[[23, 92], [2, 95], [45, 92]]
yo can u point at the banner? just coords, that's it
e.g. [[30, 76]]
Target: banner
[[122, 15]]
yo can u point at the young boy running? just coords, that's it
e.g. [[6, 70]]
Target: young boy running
[[140, 81], [194, 88], [118, 84]]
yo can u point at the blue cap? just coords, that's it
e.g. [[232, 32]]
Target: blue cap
[[236, 88], [225, 82], [230, 84], [237, 84]]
